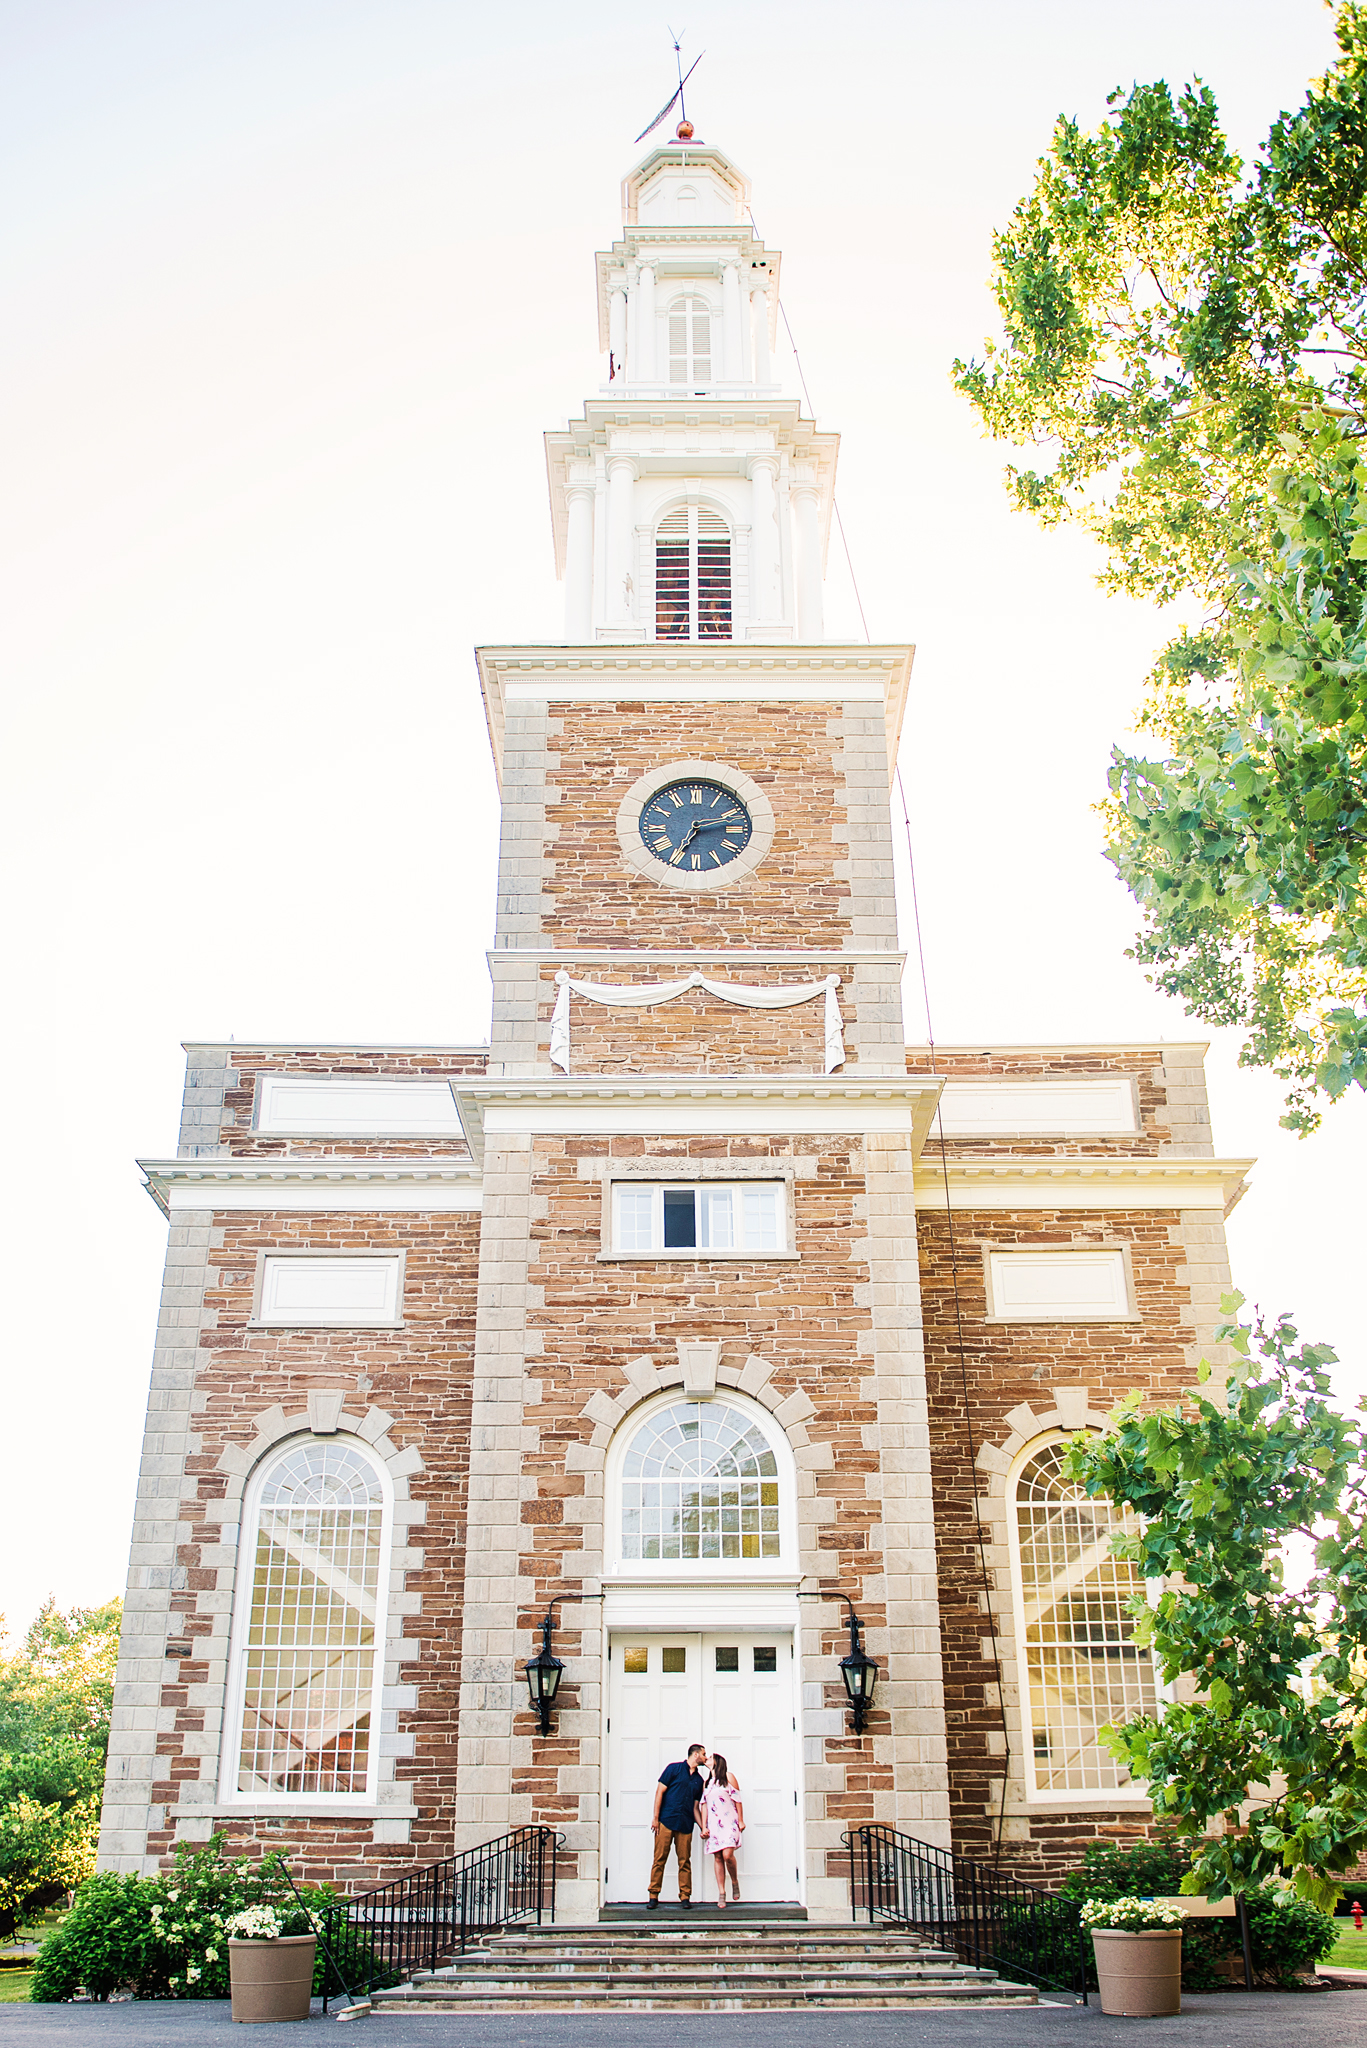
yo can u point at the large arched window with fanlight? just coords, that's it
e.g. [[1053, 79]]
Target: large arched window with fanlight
[[703, 1485], [1080, 1665], [309, 1626], [693, 575]]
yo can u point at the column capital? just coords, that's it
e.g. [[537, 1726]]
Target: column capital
[[762, 459], [622, 465]]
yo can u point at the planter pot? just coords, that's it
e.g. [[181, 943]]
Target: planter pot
[[272, 1980], [1140, 1975]]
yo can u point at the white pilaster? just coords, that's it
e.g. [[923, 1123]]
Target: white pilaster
[[579, 563], [759, 328], [731, 322], [617, 331], [643, 369], [805, 500], [621, 497], [766, 604]]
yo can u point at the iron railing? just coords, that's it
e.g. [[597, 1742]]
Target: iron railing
[[416, 1921], [986, 1917]]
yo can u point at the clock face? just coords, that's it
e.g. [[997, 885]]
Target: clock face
[[696, 827]]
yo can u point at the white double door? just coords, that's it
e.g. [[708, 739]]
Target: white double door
[[735, 1692]]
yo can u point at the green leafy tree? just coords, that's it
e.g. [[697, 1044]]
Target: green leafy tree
[[1278, 1726], [1187, 343], [56, 1699]]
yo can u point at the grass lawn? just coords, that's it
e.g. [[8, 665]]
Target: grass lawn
[[1350, 1950], [14, 1986]]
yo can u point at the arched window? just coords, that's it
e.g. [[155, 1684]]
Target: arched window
[[690, 342], [693, 576], [310, 1624], [701, 1481], [1082, 1668]]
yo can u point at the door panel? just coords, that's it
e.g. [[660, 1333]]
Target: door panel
[[732, 1701]]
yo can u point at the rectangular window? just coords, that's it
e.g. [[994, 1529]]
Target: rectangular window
[[713, 1217], [766, 1660], [307, 1289]]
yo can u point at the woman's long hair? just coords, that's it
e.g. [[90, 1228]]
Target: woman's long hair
[[719, 1776]]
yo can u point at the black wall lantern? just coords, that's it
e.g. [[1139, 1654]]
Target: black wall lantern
[[859, 1672], [543, 1673]]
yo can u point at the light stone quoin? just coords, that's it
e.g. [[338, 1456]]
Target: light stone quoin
[[949, 1258]]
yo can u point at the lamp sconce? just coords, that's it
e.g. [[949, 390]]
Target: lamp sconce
[[543, 1673], [859, 1673]]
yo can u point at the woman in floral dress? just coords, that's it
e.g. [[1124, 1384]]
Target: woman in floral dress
[[722, 1818]]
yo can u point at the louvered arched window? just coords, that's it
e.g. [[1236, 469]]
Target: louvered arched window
[[693, 576], [1082, 1666], [690, 343], [309, 1624]]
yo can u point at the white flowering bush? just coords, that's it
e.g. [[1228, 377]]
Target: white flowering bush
[[1130, 1916], [167, 1936], [254, 1923]]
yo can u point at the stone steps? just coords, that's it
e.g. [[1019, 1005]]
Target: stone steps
[[758, 1966]]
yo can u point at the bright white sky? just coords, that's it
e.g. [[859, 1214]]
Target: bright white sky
[[294, 288]]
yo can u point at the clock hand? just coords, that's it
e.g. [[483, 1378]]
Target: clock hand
[[688, 836]]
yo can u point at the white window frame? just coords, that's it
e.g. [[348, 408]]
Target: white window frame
[[266, 1318], [657, 1181], [1129, 1797], [230, 1799], [784, 1567], [997, 1312]]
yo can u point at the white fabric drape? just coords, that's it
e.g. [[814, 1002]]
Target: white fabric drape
[[639, 994]]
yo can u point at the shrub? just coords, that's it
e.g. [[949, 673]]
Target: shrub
[[164, 1936], [105, 1942], [1287, 1935]]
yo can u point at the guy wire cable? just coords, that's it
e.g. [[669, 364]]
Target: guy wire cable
[[980, 1538]]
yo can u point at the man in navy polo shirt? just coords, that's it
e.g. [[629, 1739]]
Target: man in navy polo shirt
[[676, 1796]]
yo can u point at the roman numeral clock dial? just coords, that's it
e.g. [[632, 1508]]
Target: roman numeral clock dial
[[695, 826]]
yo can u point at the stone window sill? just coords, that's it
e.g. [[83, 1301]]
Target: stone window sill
[[701, 1257]]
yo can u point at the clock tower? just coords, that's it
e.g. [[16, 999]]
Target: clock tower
[[698, 1034]]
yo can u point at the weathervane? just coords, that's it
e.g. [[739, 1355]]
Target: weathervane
[[684, 131]]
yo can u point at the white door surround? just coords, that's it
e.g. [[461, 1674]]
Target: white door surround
[[734, 1690]]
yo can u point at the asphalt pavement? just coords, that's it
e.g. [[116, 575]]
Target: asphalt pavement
[[1229, 2019]]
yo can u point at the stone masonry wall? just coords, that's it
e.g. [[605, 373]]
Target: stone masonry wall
[[975, 1405], [419, 1379]]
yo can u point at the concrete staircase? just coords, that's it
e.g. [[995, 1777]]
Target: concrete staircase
[[699, 1966]]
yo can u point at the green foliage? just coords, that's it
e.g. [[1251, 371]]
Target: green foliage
[[163, 1936], [104, 1943], [1189, 345], [1286, 1933], [1278, 1720], [1289, 1935], [1114, 1870], [56, 1697]]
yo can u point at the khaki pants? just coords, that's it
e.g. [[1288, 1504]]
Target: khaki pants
[[683, 1849]]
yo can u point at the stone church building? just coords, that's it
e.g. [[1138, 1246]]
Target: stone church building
[[698, 1302]]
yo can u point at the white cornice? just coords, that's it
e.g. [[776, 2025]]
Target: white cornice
[[986, 1047], [220, 1182], [719, 671], [695, 1105], [1091, 1183], [739, 956]]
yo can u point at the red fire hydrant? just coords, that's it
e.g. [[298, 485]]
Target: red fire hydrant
[[1357, 1914]]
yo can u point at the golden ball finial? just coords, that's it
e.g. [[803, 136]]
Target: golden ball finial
[[684, 131]]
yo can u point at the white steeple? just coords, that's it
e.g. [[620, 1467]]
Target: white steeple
[[692, 501]]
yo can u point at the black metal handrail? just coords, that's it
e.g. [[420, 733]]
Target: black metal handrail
[[987, 1918], [416, 1921]]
